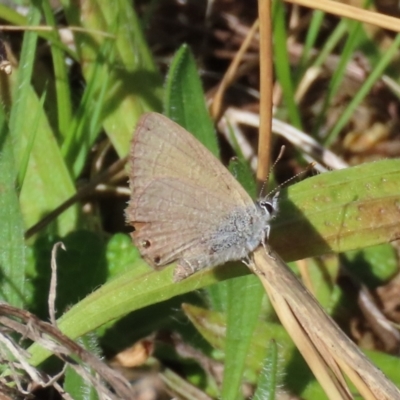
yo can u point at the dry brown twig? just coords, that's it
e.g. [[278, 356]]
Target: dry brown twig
[[305, 143], [348, 11], [328, 351], [230, 74], [14, 320], [31, 327]]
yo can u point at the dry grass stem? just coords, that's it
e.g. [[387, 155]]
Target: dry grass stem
[[14, 320], [355, 13], [230, 74], [318, 337], [266, 73]]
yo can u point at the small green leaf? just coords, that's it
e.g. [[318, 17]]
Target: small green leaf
[[184, 99], [74, 384], [267, 383]]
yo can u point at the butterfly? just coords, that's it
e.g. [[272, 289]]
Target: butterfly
[[185, 206]]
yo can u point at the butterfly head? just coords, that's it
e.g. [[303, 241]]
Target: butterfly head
[[269, 205]]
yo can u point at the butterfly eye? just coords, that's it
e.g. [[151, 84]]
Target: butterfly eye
[[146, 244], [267, 206]]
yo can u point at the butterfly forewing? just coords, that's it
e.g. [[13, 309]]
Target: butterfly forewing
[[179, 189]]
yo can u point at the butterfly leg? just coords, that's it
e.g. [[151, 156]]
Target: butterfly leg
[[249, 264], [247, 261], [264, 242]]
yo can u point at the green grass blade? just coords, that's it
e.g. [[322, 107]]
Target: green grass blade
[[290, 368], [373, 266], [340, 70], [63, 107], [12, 245], [282, 64], [12, 16], [212, 326], [47, 183], [85, 126], [242, 318], [21, 89], [268, 379], [184, 99], [28, 149], [134, 84], [365, 89], [74, 383], [312, 35], [332, 41]]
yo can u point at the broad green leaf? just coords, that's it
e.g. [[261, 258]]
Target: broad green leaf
[[120, 255], [47, 183], [21, 89], [339, 211]]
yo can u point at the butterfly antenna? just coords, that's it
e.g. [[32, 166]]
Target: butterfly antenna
[[272, 168], [308, 168]]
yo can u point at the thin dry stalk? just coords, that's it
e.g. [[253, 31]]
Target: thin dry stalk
[[266, 73], [356, 13], [13, 319], [230, 74]]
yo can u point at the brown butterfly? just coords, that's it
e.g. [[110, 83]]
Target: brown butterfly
[[185, 205]]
